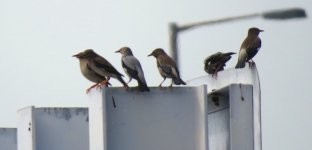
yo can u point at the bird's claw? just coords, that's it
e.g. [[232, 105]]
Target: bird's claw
[[251, 63], [88, 90], [99, 86], [215, 75], [126, 87]]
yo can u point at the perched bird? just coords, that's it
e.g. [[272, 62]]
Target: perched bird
[[216, 62], [96, 69], [167, 67], [132, 67], [249, 47]]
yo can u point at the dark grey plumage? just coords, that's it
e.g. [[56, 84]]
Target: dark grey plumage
[[132, 68], [167, 67], [216, 62], [249, 47], [96, 69]]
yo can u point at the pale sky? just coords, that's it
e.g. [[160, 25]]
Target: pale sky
[[39, 37]]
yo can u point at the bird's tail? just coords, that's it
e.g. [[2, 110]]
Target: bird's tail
[[143, 86], [178, 81], [240, 63], [119, 78]]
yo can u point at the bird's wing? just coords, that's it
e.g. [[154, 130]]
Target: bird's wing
[[247, 45], [251, 44], [140, 72], [100, 65], [168, 66], [129, 64], [253, 48], [215, 57], [133, 68]]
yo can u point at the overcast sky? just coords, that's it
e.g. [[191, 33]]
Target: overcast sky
[[39, 37]]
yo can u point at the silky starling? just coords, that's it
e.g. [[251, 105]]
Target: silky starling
[[132, 68]]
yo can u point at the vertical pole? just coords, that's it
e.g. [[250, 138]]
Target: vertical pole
[[173, 34]]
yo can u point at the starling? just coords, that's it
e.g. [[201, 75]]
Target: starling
[[167, 67], [249, 47], [132, 68], [96, 69], [216, 62]]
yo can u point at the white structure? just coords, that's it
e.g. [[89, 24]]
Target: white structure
[[236, 123], [225, 115], [53, 129], [162, 119], [8, 139], [222, 113]]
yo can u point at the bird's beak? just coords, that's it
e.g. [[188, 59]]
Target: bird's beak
[[232, 53], [150, 55], [261, 30], [117, 51], [77, 55]]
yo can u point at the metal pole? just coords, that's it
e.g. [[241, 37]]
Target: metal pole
[[173, 33], [174, 29]]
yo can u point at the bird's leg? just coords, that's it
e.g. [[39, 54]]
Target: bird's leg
[[162, 82], [215, 74], [251, 63], [216, 71], [88, 90], [104, 82], [171, 83], [126, 86]]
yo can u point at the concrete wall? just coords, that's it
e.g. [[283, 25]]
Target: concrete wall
[[8, 139], [53, 129], [162, 119]]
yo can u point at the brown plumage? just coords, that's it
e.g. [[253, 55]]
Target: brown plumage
[[167, 67], [96, 69], [216, 62], [249, 47]]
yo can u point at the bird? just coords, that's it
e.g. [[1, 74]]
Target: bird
[[97, 69], [132, 68], [167, 67], [216, 62], [249, 47]]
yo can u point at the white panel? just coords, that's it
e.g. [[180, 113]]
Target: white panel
[[53, 129], [238, 76], [218, 121], [219, 132], [97, 125], [8, 139], [163, 119], [25, 129], [62, 128], [241, 117]]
